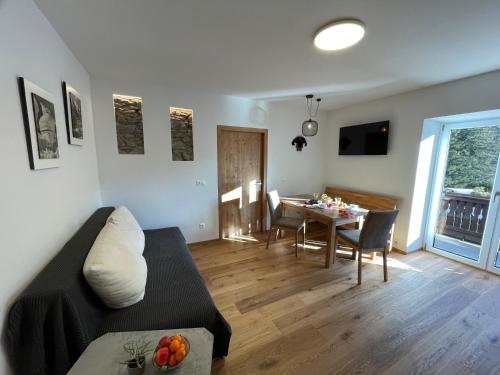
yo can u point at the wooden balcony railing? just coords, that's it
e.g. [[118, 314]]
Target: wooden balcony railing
[[462, 216]]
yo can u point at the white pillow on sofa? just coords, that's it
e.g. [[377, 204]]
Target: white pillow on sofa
[[114, 270], [123, 219]]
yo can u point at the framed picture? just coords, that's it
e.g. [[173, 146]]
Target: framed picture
[[40, 125], [73, 111]]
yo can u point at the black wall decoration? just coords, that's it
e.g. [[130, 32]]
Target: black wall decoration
[[299, 142]]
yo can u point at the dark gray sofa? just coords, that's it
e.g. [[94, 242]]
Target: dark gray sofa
[[58, 315]]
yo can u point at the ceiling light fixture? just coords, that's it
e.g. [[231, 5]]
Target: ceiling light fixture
[[310, 127], [339, 34]]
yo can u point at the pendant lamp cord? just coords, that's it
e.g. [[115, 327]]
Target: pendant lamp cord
[[309, 106]]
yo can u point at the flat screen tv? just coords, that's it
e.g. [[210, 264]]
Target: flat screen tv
[[365, 139]]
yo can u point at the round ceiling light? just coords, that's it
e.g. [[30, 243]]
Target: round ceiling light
[[339, 34]]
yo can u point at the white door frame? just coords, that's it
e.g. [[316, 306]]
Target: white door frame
[[490, 235], [495, 225]]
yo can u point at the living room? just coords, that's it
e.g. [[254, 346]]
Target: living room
[[276, 300]]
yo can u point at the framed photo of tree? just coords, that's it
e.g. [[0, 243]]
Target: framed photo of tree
[[73, 112], [40, 125]]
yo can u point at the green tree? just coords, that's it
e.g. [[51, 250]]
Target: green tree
[[472, 158]]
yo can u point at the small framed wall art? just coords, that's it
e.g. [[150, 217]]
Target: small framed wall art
[[40, 125], [73, 112]]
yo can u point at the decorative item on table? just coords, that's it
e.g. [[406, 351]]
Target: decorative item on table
[[171, 352], [345, 213], [137, 351], [338, 201], [314, 200], [327, 200]]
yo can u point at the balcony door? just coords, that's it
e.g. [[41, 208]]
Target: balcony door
[[464, 221]]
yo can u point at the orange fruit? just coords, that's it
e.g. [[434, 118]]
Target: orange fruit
[[180, 354], [174, 345], [172, 361], [182, 347], [178, 337]]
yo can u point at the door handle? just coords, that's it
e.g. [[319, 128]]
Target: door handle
[[258, 183], [497, 193]]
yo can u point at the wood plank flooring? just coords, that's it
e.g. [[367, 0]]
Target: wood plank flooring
[[292, 316]]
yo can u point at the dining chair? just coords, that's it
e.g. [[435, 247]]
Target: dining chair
[[280, 222], [374, 236]]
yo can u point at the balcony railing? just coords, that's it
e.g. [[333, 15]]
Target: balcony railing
[[462, 216]]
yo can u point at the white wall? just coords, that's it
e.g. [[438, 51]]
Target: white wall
[[39, 210], [161, 192], [395, 173], [290, 171]]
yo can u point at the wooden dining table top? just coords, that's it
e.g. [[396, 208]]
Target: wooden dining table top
[[297, 203]]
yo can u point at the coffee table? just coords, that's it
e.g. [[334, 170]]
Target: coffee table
[[104, 354]]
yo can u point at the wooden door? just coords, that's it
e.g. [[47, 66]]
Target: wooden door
[[242, 169]]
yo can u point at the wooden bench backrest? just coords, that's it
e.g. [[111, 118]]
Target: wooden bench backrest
[[364, 200]]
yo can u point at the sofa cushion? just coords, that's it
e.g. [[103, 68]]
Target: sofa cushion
[[116, 273], [123, 219]]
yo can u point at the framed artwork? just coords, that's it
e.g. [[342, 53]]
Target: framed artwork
[[181, 123], [73, 112], [40, 125], [128, 116]]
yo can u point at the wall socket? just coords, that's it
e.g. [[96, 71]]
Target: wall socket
[[201, 182], [201, 226]]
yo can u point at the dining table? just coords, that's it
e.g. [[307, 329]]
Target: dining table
[[331, 217]]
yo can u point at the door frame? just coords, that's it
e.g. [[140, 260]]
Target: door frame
[[438, 178], [263, 190]]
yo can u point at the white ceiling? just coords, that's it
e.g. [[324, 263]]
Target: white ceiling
[[263, 48]]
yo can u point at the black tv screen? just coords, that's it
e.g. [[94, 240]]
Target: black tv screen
[[365, 139]]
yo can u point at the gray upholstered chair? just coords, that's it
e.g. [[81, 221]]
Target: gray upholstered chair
[[280, 222], [374, 236]]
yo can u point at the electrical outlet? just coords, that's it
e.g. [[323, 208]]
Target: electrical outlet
[[201, 226], [201, 182]]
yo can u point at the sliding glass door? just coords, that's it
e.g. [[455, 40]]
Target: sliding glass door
[[464, 222]]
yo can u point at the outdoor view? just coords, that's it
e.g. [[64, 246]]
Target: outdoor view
[[472, 159], [470, 173]]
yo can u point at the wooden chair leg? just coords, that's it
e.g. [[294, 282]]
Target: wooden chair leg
[[269, 237], [277, 234], [304, 237], [353, 255], [360, 265], [335, 244], [297, 243], [386, 275]]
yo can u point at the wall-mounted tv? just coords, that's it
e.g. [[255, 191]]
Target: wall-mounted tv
[[365, 139]]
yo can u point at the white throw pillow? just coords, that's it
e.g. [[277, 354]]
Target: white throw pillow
[[115, 272], [123, 219]]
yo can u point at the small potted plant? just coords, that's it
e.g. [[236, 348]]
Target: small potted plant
[[137, 351]]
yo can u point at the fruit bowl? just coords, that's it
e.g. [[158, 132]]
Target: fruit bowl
[[176, 346]]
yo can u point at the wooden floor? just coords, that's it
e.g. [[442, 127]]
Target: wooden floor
[[292, 316]]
